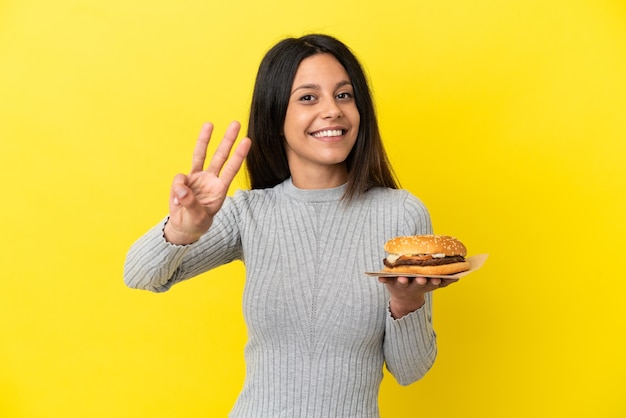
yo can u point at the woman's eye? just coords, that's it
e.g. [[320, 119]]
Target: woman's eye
[[307, 98], [344, 96]]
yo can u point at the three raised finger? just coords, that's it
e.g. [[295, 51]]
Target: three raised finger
[[220, 161]]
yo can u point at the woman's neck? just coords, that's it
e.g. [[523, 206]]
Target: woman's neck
[[327, 178]]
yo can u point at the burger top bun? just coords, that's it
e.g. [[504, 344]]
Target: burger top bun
[[426, 244]]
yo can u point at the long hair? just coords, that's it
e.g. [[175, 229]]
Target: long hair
[[367, 164]]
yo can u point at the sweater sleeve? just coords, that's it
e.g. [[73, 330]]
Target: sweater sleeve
[[154, 264], [410, 345]]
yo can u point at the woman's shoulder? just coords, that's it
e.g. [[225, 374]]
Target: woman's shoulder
[[388, 192], [410, 213], [245, 197], [395, 196], [386, 198]]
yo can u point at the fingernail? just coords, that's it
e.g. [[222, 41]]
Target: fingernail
[[176, 201], [181, 192]]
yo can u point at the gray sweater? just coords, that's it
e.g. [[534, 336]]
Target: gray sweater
[[319, 330]]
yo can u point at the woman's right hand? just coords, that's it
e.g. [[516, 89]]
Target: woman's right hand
[[196, 198]]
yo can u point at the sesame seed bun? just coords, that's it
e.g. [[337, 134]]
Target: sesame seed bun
[[426, 244]]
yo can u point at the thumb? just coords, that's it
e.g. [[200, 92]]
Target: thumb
[[181, 196], [179, 190]]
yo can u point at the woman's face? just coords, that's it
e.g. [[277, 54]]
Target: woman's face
[[322, 120]]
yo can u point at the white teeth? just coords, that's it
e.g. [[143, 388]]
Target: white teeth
[[333, 132]]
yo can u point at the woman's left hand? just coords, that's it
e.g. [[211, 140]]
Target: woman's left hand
[[408, 293]]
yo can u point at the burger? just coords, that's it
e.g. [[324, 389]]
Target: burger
[[425, 254]]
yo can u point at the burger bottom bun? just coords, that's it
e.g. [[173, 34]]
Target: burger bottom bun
[[442, 269]]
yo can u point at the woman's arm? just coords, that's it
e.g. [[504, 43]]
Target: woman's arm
[[154, 264], [187, 242], [410, 345]]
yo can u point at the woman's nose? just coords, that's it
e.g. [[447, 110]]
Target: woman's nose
[[331, 110]]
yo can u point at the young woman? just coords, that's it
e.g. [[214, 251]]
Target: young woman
[[323, 202]]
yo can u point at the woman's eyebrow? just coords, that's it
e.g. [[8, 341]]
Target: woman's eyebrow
[[313, 86], [344, 83]]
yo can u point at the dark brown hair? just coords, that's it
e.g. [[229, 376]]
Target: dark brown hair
[[367, 163]]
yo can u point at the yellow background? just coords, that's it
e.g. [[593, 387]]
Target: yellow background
[[506, 117]]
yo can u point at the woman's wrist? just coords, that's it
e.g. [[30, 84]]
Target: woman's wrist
[[175, 237], [399, 309]]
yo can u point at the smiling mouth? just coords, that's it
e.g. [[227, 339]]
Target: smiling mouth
[[328, 133]]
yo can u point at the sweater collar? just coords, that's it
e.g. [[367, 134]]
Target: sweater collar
[[313, 195]]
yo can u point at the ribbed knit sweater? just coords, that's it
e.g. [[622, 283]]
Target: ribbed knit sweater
[[319, 329]]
